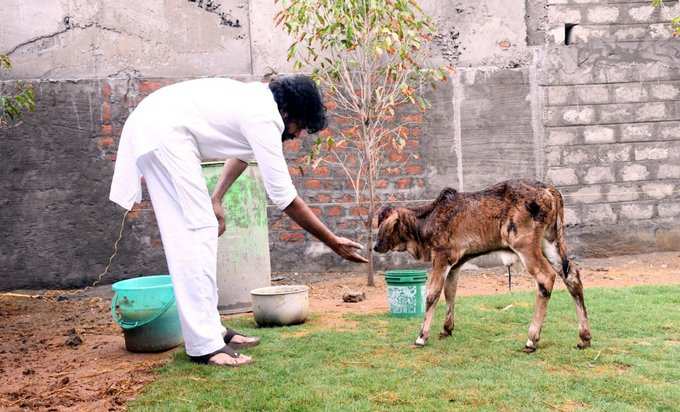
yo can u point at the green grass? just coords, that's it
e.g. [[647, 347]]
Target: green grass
[[634, 363]]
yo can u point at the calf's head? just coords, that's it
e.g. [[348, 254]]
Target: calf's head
[[398, 231]]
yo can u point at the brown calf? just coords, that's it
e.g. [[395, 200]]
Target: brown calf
[[517, 217]]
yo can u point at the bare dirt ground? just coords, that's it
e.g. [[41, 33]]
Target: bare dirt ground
[[62, 351]]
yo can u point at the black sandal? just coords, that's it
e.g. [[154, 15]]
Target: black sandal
[[205, 359], [238, 345]]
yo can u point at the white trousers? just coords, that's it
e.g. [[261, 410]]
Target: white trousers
[[188, 229]]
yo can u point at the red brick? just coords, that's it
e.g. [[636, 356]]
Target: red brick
[[330, 105], [325, 133], [313, 184], [323, 198], [412, 143], [414, 118], [105, 142], [403, 183], [397, 157], [415, 132], [414, 169], [295, 170], [106, 113], [292, 237], [317, 211], [146, 86], [322, 171], [359, 211], [334, 211], [293, 145], [393, 171], [346, 198], [106, 91], [293, 226], [107, 130], [381, 184]]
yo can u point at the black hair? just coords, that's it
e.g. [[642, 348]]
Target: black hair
[[299, 97]]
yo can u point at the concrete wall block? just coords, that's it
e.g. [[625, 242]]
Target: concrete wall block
[[669, 130], [634, 92], [636, 211], [642, 14], [569, 115], [674, 153], [653, 111], [629, 73], [658, 190], [617, 113], [634, 172], [559, 95], [651, 151], [598, 214], [636, 132], [578, 155], [562, 136], [592, 94], [603, 14], [665, 91], [562, 176], [615, 153], [560, 14], [599, 134], [586, 194], [571, 216], [553, 156], [599, 174], [630, 33], [622, 193], [583, 34], [668, 209], [668, 171]]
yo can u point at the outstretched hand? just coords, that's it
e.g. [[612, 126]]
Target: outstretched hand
[[348, 249]]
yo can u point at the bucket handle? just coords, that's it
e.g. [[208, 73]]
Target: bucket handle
[[131, 325]]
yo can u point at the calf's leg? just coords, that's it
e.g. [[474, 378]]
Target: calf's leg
[[450, 294], [435, 284], [573, 282], [544, 274]]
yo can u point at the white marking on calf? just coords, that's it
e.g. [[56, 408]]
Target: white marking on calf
[[551, 253]]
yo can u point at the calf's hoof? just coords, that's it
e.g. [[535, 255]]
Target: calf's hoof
[[444, 334], [583, 344], [420, 342], [530, 347]]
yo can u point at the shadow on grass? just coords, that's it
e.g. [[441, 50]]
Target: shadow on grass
[[371, 364]]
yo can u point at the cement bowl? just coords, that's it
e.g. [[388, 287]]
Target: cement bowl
[[280, 305]]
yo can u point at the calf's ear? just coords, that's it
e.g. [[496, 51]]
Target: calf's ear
[[383, 213]]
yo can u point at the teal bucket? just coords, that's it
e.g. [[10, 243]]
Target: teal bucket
[[406, 292], [145, 308]]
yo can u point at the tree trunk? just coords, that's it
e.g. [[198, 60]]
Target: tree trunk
[[369, 224]]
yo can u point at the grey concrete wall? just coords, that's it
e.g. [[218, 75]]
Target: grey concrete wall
[[600, 118]]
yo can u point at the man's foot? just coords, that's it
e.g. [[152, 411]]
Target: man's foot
[[222, 359], [226, 356], [238, 340]]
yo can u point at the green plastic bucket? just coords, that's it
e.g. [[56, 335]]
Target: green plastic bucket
[[406, 292], [145, 308]]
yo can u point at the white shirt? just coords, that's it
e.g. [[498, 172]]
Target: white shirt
[[220, 119]]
